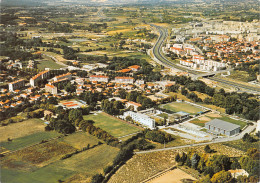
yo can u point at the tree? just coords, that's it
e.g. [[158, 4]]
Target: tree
[[207, 149], [222, 176], [75, 114], [97, 178], [195, 161], [177, 157]]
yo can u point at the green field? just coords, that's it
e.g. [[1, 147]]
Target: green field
[[88, 163], [80, 140], [21, 129], [176, 107], [112, 125], [48, 64], [29, 140]]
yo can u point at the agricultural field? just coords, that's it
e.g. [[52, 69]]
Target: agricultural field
[[75, 168], [14, 131], [29, 140], [112, 125], [80, 140], [181, 106], [146, 165], [176, 176]]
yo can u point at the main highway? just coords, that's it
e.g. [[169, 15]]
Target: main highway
[[160, 58]]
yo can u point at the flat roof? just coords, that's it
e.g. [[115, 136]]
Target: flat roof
[[222, 124]]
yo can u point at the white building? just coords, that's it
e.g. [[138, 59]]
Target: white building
[[16, 85], [51, 89], [42, 75], [67, 75], [141, 118], [99, 78], [124, 80]]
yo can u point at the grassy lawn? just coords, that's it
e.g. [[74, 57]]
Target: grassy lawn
[[20, 129], [198, 122], [112, 125], [48, 64], [176, 107], [163, 115], [29, 140], [88, 163], [80, 140]]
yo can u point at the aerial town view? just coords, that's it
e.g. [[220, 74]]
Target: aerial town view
[[129, 91]]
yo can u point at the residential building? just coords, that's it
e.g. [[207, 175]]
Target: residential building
[[67, 75], [42, 75], [51, 89], [99, 78], [134, 67], [16, 85], [222, 127], [124, 80], [134, 104], [141, 118], [238, 172]]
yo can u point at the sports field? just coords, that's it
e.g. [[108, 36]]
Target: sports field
[[181, 106], [113, 126], [48, 64]]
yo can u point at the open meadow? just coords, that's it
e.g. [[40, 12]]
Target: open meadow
[[28, 127], [112, 125]]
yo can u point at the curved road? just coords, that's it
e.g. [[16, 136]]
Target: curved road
[[164, 61]]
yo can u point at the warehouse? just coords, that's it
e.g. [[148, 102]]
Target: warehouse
[[222, 127]]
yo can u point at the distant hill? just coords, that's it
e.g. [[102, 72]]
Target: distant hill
[[104, 2]]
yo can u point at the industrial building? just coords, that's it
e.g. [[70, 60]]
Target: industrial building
[[222, 127]]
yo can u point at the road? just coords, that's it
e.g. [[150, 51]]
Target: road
[[249, 129], [156, 50]]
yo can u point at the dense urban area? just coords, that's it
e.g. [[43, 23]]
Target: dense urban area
[[129, 91]]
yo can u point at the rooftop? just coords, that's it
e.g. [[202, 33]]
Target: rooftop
[[222, 124]]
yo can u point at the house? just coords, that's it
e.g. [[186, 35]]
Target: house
[[99, 78], [134, 104], [238, 172], [222, 127], [141, 118], [124, 80], [16, 85], [51, 89], [134, 67]]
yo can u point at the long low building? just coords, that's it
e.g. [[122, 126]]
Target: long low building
[[141, 118], [16, 85], [222, 127]]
